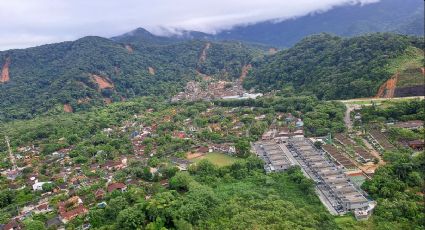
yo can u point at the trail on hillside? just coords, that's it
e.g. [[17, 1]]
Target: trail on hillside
[[5, 71]]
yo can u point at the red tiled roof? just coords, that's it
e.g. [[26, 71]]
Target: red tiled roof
[[69, 215], [43, 206], [416, 142], [114, 186], [203, 149]]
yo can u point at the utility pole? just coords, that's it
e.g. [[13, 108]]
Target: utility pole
[[12, 158]]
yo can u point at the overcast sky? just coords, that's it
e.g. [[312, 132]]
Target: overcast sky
[[26, 23]]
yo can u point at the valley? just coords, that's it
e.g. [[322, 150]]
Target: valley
[[313, 121]]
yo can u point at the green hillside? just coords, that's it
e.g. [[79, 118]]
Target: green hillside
[[47, 77], [332, 67]]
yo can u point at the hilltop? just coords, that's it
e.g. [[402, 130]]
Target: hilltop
[[332, 67], [94, 71]]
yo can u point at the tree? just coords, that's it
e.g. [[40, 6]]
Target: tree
[[131, 218], [97, 217], [180, 181], [243, 148], [34, 225], [318, 144], [48, 187]]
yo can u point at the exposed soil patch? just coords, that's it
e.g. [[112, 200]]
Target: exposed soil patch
[[204, 76], [129, 48], [67, 108], [151, 70], [191, 156], [272, 51], [83, 100], [245, 70], [102, 82], [5, 71], [107, 101], [203, 56], [387, 89]]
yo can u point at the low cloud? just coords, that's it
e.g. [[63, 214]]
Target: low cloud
[[28, 23]]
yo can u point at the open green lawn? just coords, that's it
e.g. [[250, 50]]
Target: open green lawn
[[349, 222], [218, 159]]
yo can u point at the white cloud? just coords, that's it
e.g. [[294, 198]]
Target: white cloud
[[27, 23]]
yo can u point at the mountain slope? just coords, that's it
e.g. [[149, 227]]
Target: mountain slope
[[332, 67], [402, 16], [93, 71]]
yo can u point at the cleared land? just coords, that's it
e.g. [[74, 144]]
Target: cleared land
[[218, 159]]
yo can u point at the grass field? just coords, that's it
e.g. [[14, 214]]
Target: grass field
[[349, 222], [411, 59], [218, 159]]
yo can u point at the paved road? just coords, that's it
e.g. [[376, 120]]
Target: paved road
[[379, 99], [350, 104]]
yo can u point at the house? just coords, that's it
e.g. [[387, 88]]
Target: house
[[117, 186], [115, 165], [71, 208], [417, 144], [102, 204], [224, 148], [261, 117], [299, 123], [180, 135], [43, 208], [268, 135], [69, 215], [416, 124], [38, 186], [13, 174], [99, 194], [12, 225], [202, 149]]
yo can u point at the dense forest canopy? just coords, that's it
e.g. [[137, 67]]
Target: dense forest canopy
[[50, 76], [93, 71], [332, 67]]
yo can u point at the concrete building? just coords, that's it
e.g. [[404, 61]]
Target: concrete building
[[330, 180], [275, 158]]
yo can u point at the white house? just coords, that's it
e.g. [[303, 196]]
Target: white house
[[38, 186]]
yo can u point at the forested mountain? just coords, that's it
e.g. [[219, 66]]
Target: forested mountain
[[401, 16], [74, 76], [332, 67], [94, 70]]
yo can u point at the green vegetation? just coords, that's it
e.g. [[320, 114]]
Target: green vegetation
[[397, 188], [331, 67], [240, 196], [411, 58], [218, 159], [396, 111], [44, 78]]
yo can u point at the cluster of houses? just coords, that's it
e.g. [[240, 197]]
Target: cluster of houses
[[291, 127], [211, 90]]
